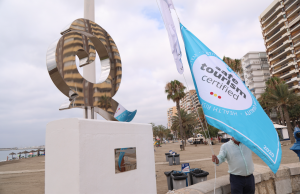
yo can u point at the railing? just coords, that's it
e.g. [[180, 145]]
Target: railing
[[272, 28], [276, 47], [282, 66], [268, 37], [286, 7], [296, 42], [292, 10], [296, 34], [271, 22], [264, 19], [276, 40], [297, 50], [281, 51], [281, 59], [297, 24], [284, 73], [294, 18]]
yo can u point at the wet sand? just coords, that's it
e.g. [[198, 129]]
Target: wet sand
[[27, 176]]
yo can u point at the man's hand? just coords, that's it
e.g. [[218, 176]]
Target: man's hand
[[215, 159]]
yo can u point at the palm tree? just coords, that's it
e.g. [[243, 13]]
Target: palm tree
[[294, 113], [265, 103], [189, 122], [234, 64], [271, 85], [175, 92], [175, 130], [161, 132], [201, 114], [154, 130], [284, 98], [105, 102]]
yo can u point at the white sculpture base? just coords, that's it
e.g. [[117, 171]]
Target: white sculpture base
[[80, 157]]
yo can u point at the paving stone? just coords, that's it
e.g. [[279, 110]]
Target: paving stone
[[283, 185]]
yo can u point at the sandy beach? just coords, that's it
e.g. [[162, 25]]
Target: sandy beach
[[27, 176]]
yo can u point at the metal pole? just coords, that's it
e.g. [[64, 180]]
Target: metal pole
[[86, 112], [89, 71], [92, 113]]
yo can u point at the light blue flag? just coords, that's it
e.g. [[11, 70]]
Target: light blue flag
[[228, 104]]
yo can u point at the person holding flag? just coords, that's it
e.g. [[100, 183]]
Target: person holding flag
[[227, 105], [240, 166]]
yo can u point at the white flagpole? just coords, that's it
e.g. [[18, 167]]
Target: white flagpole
[[210, 144], [89, 71]]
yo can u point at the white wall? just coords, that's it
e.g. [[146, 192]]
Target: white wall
[[80, 157]]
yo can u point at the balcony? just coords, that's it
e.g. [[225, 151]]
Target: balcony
[[291, 88], [258, 79], [259, 91], [280, 53], [282, 60], [292, 80], [296, 35], [258, 73], [273, 23], [289, 5], [259, 85], [274, 12], [275, 29], [294, 20], [279, 38], [296, 43], [286, 74], [293, 11], [250, 76], [297, 51], [284, 67], [279, 46]]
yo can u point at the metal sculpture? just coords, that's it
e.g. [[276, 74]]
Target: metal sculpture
[[83, 38]]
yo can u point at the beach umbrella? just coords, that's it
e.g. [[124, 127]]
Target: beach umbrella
[[19, 154], [43, 150], [32, 151], [25, 152], [12, 154]]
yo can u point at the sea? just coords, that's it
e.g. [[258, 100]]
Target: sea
[[4, 154]]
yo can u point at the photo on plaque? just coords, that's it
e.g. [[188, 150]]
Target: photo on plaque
[[125, 159]]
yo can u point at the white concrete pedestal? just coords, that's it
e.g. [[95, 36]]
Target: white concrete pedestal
[[80, 157]]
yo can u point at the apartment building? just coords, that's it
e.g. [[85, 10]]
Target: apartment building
[[280, 23], [256, 72], [190, 102], [171, 112]]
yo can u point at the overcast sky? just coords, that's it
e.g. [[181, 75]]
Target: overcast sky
[[29, 99]]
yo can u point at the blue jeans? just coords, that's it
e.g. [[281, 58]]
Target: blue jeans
[[242, 184]]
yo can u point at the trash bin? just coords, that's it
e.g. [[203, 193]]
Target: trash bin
[[167, 154], [179, 180], [169, 180], [190, 174], [170, 159], [199, 176], [177, 159]]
